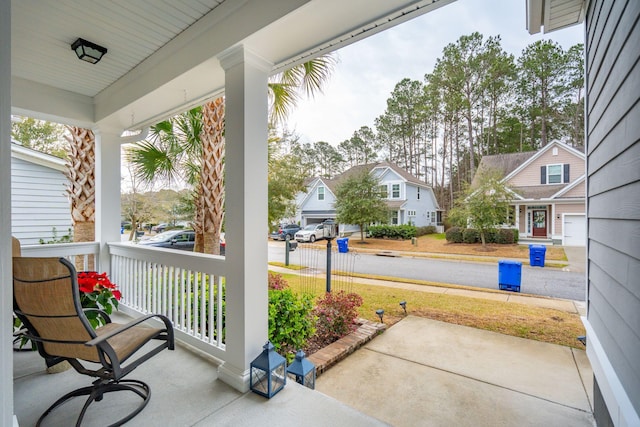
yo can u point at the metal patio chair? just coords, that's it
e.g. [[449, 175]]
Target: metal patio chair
[[47, 300]]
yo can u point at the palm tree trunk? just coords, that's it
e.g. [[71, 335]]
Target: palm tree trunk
[[81, 186], [212, 178]]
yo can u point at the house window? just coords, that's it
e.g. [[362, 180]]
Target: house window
[[554, 174], [433, 217], [411, 213], [320, 193], [384, 191], [394, 217], [418, 193], [395, 191]]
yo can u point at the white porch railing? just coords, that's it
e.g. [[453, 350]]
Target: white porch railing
[[74, 252], [187, 287]]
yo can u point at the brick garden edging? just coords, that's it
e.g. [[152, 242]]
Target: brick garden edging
[[338, 350]]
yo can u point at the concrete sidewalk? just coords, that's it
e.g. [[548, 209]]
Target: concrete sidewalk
[[423, 372]]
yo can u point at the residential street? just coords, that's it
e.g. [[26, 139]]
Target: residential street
[[552, 282]]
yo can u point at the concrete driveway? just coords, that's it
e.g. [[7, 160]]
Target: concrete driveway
[[423, 372]]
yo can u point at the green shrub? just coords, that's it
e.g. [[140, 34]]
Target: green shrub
[[491, 236], [291, 321], [423, 231], [403, 232], [454, 235], [516, 234], [470, 235], [336, 315], [505, 236]]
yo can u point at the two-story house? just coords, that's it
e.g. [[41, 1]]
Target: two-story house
[[410, 200], [548, 188]]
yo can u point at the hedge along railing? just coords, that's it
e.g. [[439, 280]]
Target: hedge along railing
[[79, 254], [186, 287]]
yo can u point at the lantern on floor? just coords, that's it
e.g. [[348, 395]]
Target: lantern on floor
[[303, 371], [268, 372]]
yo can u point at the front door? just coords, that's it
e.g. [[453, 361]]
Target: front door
[[539, 223]]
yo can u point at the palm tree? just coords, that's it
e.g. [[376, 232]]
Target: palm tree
[[162, 157], [81, 185]]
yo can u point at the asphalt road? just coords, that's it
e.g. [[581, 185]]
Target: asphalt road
[[552, 282]]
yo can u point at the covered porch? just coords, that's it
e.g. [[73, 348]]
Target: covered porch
[[160, 62]]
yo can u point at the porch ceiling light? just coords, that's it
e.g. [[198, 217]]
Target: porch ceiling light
[[88, 51]]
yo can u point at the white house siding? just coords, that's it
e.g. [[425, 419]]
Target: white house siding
[[38, 202], [423, 206], [531, 174], [613, 214]]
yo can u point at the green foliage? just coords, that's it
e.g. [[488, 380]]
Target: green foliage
[[470, 235], [39, 135], [337, 313], [286, 178], [506, 236], [291, 322], [358, 201], [485, 205], [403, 232], [454, 235], [67, 238], [423, 231]]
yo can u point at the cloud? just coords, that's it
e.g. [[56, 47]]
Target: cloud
[[369, 69]]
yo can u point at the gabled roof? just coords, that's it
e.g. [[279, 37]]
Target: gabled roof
[[504, 163], [511, 164], [33, 156]]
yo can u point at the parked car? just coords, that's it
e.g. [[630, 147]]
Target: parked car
[[287, 230], [160, 227], [310, 233], [174, 239]]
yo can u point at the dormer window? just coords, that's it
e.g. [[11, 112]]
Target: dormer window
[[384, 191], [554, 174]]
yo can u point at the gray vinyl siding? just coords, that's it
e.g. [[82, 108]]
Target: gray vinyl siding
[[613, 185], [38, 202]]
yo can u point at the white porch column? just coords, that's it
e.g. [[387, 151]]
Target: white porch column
[[107, 191], [246, 212], [6, 289]]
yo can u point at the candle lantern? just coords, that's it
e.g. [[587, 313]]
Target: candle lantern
[[268, 372], [303, 371]]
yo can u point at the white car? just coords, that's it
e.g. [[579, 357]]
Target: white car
[[310, 233]]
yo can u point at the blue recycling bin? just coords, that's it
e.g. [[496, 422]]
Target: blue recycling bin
[[343, 244], [509, 275], [536, 255]]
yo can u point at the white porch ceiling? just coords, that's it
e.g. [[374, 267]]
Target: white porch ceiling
[[162, 53], [552, 15]]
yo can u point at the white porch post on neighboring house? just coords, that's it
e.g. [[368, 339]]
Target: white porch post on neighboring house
[[107, 192], [246, 158], [6, 289]]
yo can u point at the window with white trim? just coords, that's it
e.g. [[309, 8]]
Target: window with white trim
[[394, 218], [320, 193], [395, 191], [384, 191], [555, 174], [411, 213], [418, 188], [433, 217]]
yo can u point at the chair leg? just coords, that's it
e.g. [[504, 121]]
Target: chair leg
[[96, 392]]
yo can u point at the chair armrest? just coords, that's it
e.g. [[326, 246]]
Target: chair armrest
[[102, 338]]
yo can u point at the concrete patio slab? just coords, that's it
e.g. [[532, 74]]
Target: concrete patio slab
[[424, 372]]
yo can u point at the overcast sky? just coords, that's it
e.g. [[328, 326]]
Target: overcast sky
[[368, 70]]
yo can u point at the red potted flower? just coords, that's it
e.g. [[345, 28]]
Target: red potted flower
[[97, 291]]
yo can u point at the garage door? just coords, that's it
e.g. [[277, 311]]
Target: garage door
[[575, 230]]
